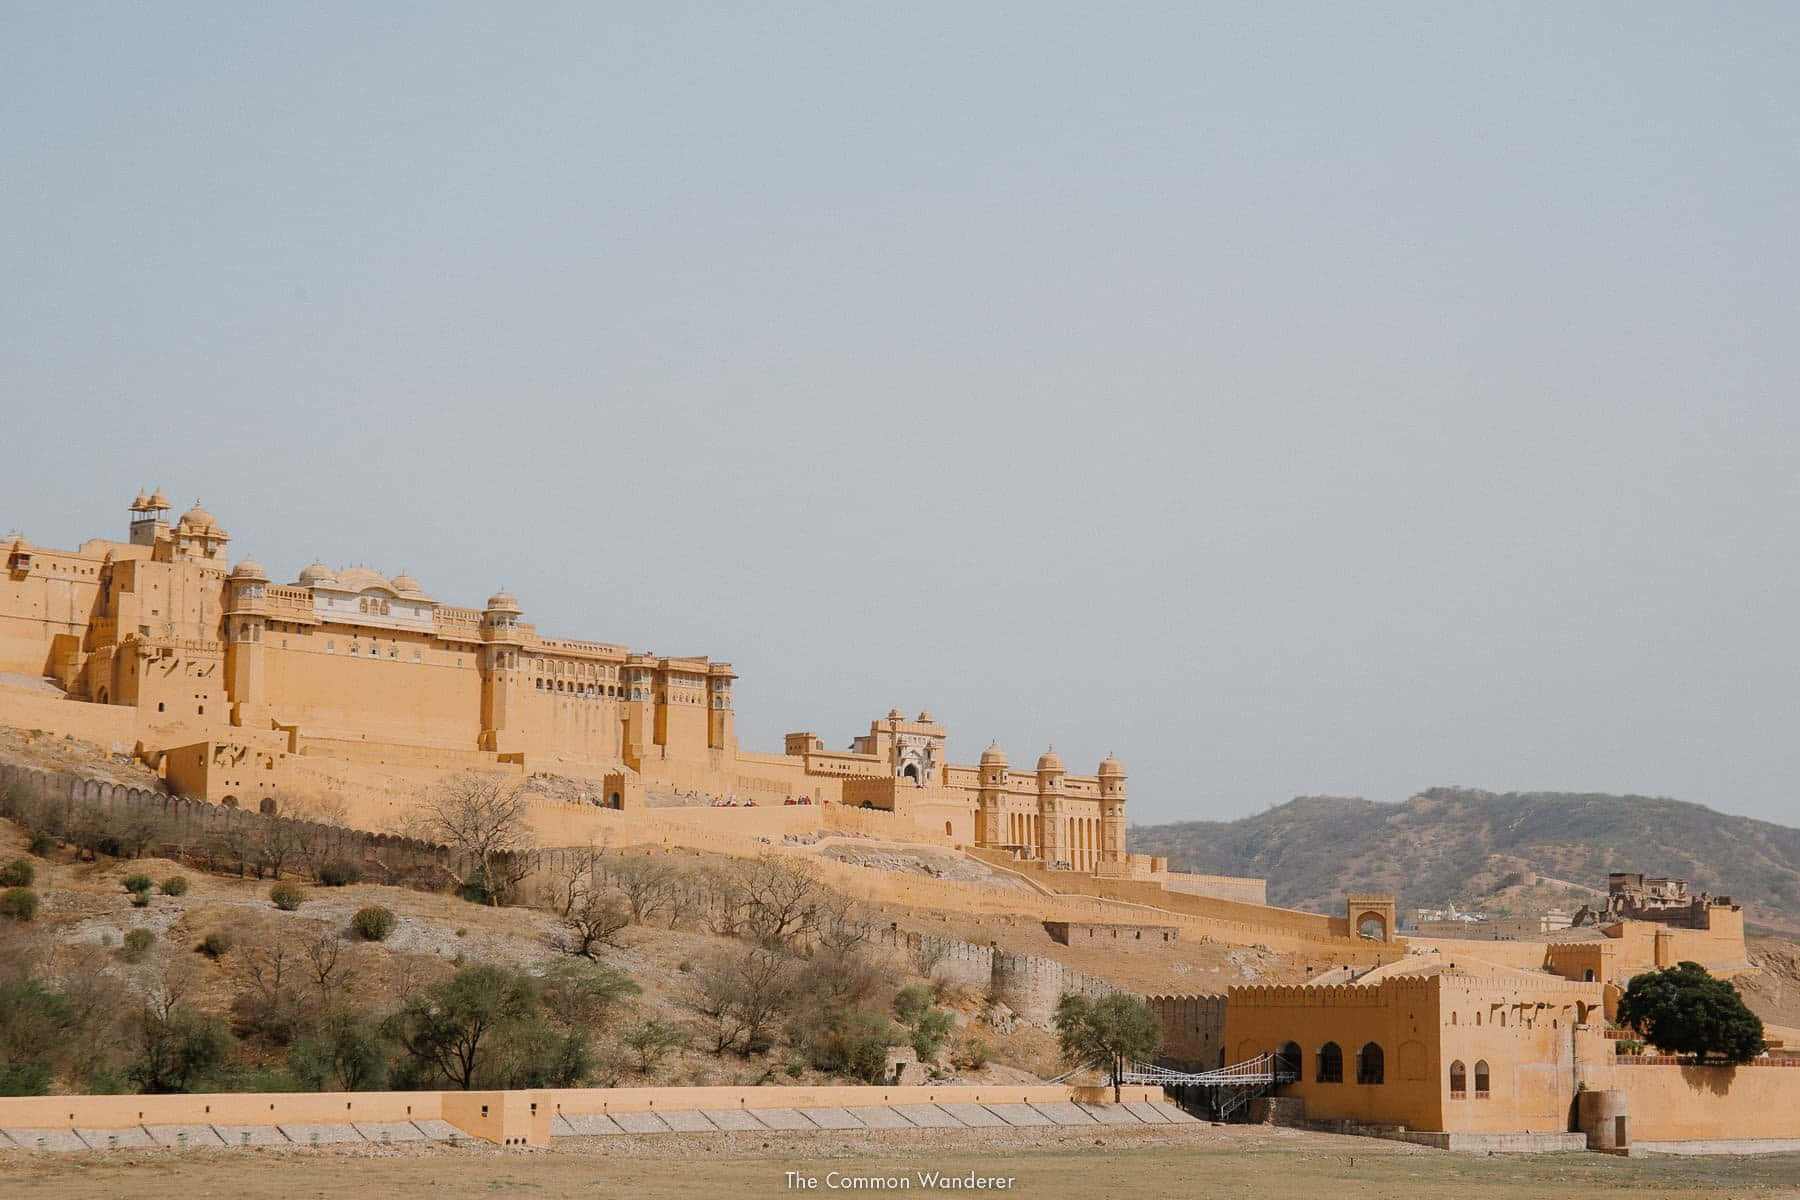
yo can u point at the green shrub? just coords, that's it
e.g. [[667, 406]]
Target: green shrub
[[855, 1044], [42, 844], [972, 1055], [215, 944], [21, 904], [138, 942], [140, 899], [139, 883], [287, 896], [175, 885], [374, 923], [340, 872], [18, 873]]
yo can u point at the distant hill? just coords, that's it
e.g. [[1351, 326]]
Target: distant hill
[[1517, 852]]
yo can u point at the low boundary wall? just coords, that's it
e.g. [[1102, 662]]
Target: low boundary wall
[[502, 1117]]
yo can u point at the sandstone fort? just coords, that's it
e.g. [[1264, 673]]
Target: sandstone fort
[[247, 697]]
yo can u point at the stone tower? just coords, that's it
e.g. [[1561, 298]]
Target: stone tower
[[1112, 810], [246, 621], [1050, 807], [501, 643], [991, 786]]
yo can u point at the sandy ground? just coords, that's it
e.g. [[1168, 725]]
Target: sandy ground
[[1147, 1164]]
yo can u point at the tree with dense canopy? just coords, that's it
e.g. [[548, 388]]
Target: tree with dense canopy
[[1684, 1010], [1107, 1034]]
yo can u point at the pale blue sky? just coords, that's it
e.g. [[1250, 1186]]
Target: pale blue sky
[[1290, 398]]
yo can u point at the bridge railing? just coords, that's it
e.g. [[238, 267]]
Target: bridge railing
[[1263, 1070]]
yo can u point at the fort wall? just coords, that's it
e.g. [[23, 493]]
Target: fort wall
[[1193, 1030]]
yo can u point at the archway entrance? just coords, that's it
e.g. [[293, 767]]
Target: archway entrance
[[1372, 927], [910, 771]]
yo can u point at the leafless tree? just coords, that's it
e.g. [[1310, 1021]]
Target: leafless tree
[[648, 884], [839, 922], [743, 994], [484, 818], [595, 921], [318, 830], [98, 998], [323, 958], [781, 898], [268, 1001], [235, 843], [277, 842], [569, 881]]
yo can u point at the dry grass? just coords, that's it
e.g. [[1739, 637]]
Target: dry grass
[[1144, 1165]]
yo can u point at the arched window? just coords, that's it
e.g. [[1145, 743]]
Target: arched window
[[1587, 976], [1481, 1080], [1370, 1067], [1331, 1063], [1459, 1080]]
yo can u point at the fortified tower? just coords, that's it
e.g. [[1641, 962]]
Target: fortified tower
[[246, 620], [502, 639], [1112, 809], [991, 777], [1050, 807]]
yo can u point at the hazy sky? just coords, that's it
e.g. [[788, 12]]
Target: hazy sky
[[1292, 399]]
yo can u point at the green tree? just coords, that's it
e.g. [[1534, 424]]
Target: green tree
[[178, 1049], [1685, 1010], [348, 1054], [450, 1028], [928, 1026], [37, 1024], [855, 1043], [1107, 1034], [652, 1039]]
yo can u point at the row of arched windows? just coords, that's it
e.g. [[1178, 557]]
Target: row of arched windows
[[1459, 1080], [1328, 1064]]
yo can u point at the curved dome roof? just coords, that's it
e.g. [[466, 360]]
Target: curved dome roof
[[502, 601], [895, 714], [1110, 767], [358, 579], [993, 755], [142, 502], [197, 518], [925, 717], [1050, 760], [316, 573], [249, 569], [17, 539], [158, 500], [407, 585]]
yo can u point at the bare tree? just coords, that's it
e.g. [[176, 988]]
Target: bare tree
[[743, 995], [648, 884], [569, 881], [483, 817], [840, 923], [781, 898], [318, 829], [234, 843], [277, 842], [268, 1002], [594, 921], [323, 959]]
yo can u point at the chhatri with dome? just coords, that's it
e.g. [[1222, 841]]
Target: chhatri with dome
[[240, 689]]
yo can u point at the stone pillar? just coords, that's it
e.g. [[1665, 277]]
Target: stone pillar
[[1604, 1117]]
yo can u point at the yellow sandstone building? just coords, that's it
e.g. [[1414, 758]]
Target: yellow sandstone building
[[246, 691]]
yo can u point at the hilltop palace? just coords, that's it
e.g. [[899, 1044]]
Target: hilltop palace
[[246, 692], [363, 691]]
